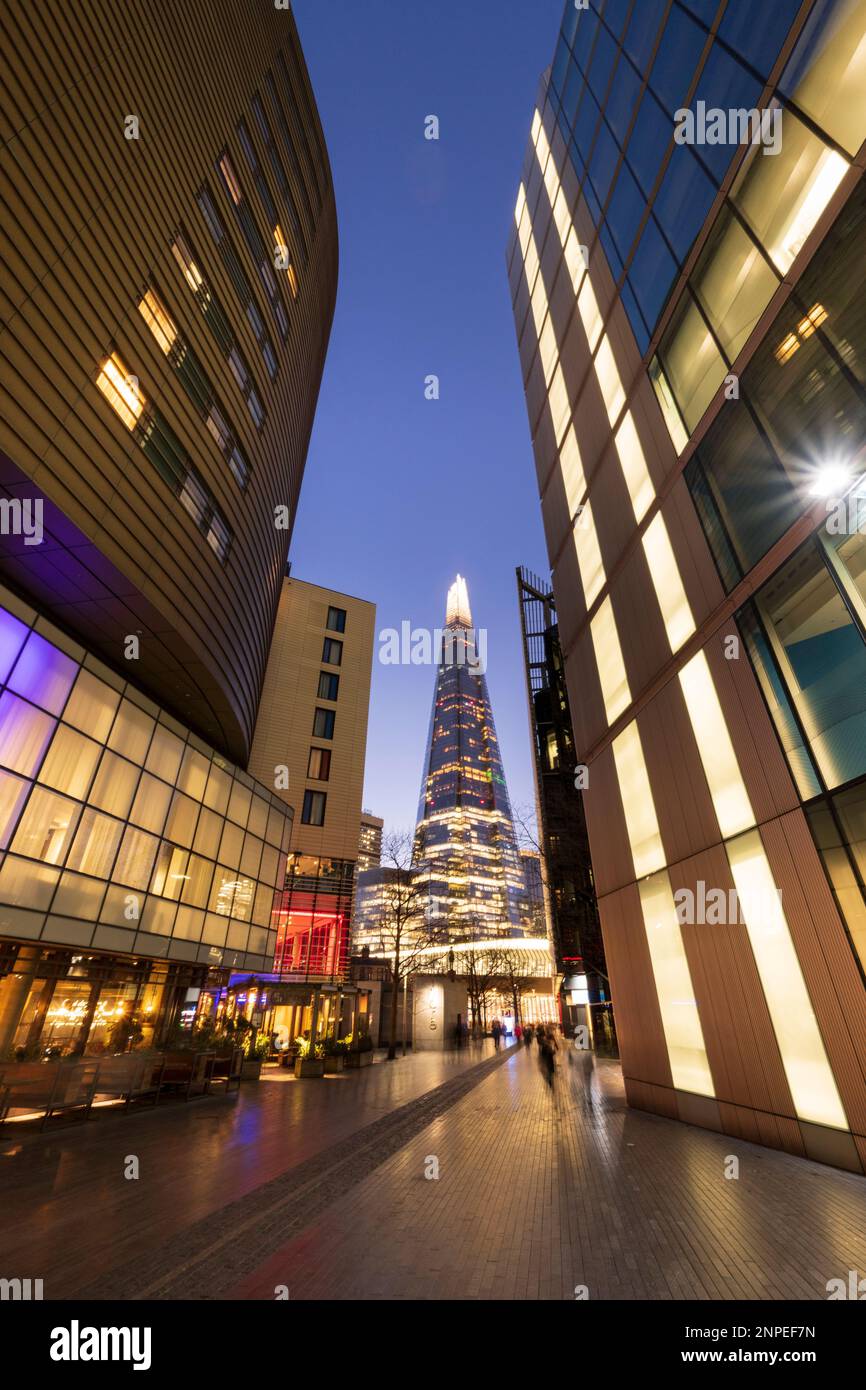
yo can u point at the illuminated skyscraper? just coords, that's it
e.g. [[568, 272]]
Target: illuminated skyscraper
[[465, 845]]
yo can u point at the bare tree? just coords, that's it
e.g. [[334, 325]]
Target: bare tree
[[512, 977], [406, 931]]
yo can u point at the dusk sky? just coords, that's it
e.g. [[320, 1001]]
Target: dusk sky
[[402, 493]]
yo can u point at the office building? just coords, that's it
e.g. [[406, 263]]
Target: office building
[[686, 268], [370, 841], [169, 256]]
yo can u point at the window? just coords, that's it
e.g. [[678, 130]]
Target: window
[[820, 652], [219, 325], [313, 812], [319, 767], [323, 723], [332, 651], [328, 686], [608, 657], [238, 277], [280, 173], [263, 259], [733, 282], [121, 390], [825, 72], [693, 364], [336, 620]]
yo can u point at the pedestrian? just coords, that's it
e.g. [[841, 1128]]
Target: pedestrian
[[547, 1057], [527, 1035], [539, 1033], [518, 1032], [497, 1033]]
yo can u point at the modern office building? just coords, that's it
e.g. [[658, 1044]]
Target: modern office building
[[687, 281], [169, 258], [310, 745], [465, 845], [533, 887], [370, 841]]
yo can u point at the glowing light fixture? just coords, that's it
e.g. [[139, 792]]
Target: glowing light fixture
[[608, 657], [687, 1054], [727, 789], [665, 574]]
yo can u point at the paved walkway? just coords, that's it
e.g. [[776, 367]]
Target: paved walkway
[[323, 1188]]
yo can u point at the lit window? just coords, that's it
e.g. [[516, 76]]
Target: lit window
[[588, 555], [634, 467], [730, 798], [121, 390], [158, 320], [647, 850], [668, 406], [677, 615], [587, 307], [185, 260], [231, 179], [571, 468], [560, 405], [782, 197], [608, 657], [608, 380], [810, 1077], [690, 1068], [293, 279]]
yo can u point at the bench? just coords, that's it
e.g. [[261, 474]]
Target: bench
[[31, 1089], [185, 1073], [128, 1077]]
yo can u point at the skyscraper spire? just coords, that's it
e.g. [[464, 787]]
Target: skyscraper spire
[[457, 610], [465, 846]]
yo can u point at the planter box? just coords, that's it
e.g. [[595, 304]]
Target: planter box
[[359, 1059], [334, 1064], [251, 1069], [309, 1066]]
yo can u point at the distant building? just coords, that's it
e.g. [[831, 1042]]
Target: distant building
[[370, 841], [310, 746]]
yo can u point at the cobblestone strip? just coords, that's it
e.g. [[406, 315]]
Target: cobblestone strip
[[194, 1265]]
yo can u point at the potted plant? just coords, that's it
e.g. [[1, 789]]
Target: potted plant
[[309, 1060], [335, 1055], [254, 1054]]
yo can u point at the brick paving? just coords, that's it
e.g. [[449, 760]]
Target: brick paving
[[541, 1193], [321, 1188]]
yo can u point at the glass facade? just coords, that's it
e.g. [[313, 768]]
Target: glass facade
[[465, 846], [313, 918], [119, 829], [615, 88]]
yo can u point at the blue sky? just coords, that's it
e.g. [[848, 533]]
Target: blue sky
[[400, 493]]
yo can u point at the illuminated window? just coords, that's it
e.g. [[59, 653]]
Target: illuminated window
[[186, 261], [693, 364], [608, 656], [158, 320], [560, 406], [121, 390], [826, 74], [587, 307], [733, 282], [690, 1068], [782, 197], [70, 763], [634, 467], [730, 798], [572, 471], [665, 574], [609, 380], [647, 850], [810, 1077], [588, 555], [668, 406], [231, 179]]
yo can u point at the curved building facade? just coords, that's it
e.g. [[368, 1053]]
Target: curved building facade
[[169, 270], [687, 276]]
